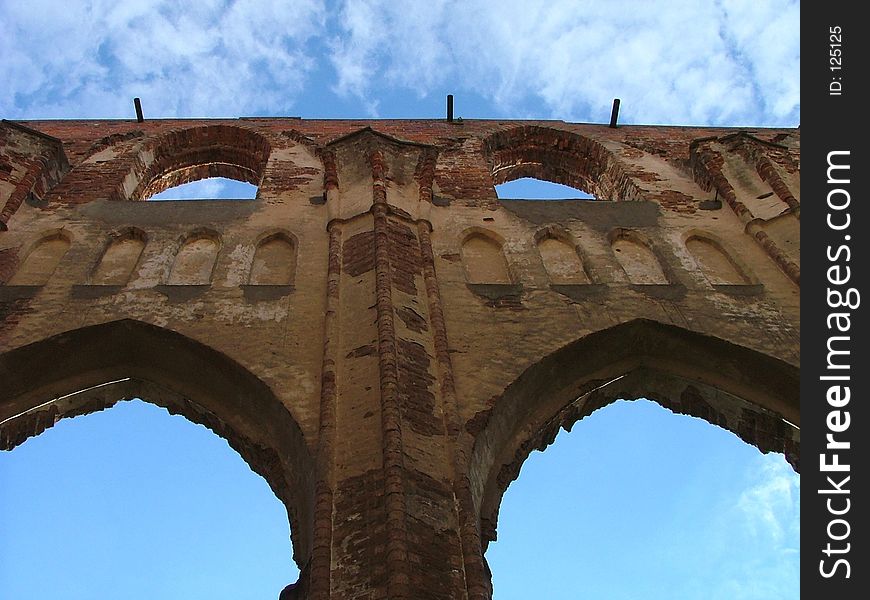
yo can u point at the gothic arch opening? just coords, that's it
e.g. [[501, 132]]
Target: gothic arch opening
[[636, 500], [559, 157], [753, 395], [188, 155], [136, 497], [129, 359]]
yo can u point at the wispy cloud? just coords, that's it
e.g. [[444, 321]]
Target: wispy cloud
[[728, 62], [208, 59], [767, 516], [212, 187], [771, 503], [676, 62]]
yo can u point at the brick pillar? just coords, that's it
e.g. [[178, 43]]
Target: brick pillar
[[400, 523]]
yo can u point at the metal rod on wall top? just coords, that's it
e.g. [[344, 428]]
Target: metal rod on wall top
[[614, 114], [138, 104], [449, 108]]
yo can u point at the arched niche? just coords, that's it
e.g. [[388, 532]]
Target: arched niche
[[274, 260], [715, 262], [41, 260], [637, 259], [186, 155], [753, 395], [120, 258], [561, 258], [195, 259], [560, 157], [483, 259], [129, 359]]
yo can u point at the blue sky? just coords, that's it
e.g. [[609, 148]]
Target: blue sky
[[680, 62], [132, 503]]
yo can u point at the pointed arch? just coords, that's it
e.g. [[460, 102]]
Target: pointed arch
[[119, 258], [637, 258], [274, 260], [718, 265], [753, 395], [129, 359], [41, 259], [483, 258], [195, 259]]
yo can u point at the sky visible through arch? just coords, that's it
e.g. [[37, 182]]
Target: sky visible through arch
[[725, 63]]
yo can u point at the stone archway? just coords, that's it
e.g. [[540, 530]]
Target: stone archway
[[187, 155], [93, 368], [392, 363], [753, 395], [560, 157]]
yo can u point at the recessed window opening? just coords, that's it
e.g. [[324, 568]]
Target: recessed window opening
[[484, 261], [274, 261], [41, 262], [119, 259], [638, 502], [561, 261], [640, 263], [194, 263], [135, 503], [210, 188], [529, 188]]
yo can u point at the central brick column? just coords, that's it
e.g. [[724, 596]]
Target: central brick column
[[392, 520]]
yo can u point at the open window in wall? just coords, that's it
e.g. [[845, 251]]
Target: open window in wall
[[532, 162], [530, 188], [639, 502], [41, 260], [140, 502], [212, 188], [210, 162], [634, 254]]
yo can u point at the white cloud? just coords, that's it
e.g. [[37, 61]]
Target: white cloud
[[212, 58], [771, 503], [751, 548], [685, 62], [212, 187], [680, 62]]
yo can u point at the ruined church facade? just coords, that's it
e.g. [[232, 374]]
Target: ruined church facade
[[380, 336]]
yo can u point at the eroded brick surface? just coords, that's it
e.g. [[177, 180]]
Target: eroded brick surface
[[387, 399]]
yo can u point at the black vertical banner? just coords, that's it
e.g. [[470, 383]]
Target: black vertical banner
[[835, 365]]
